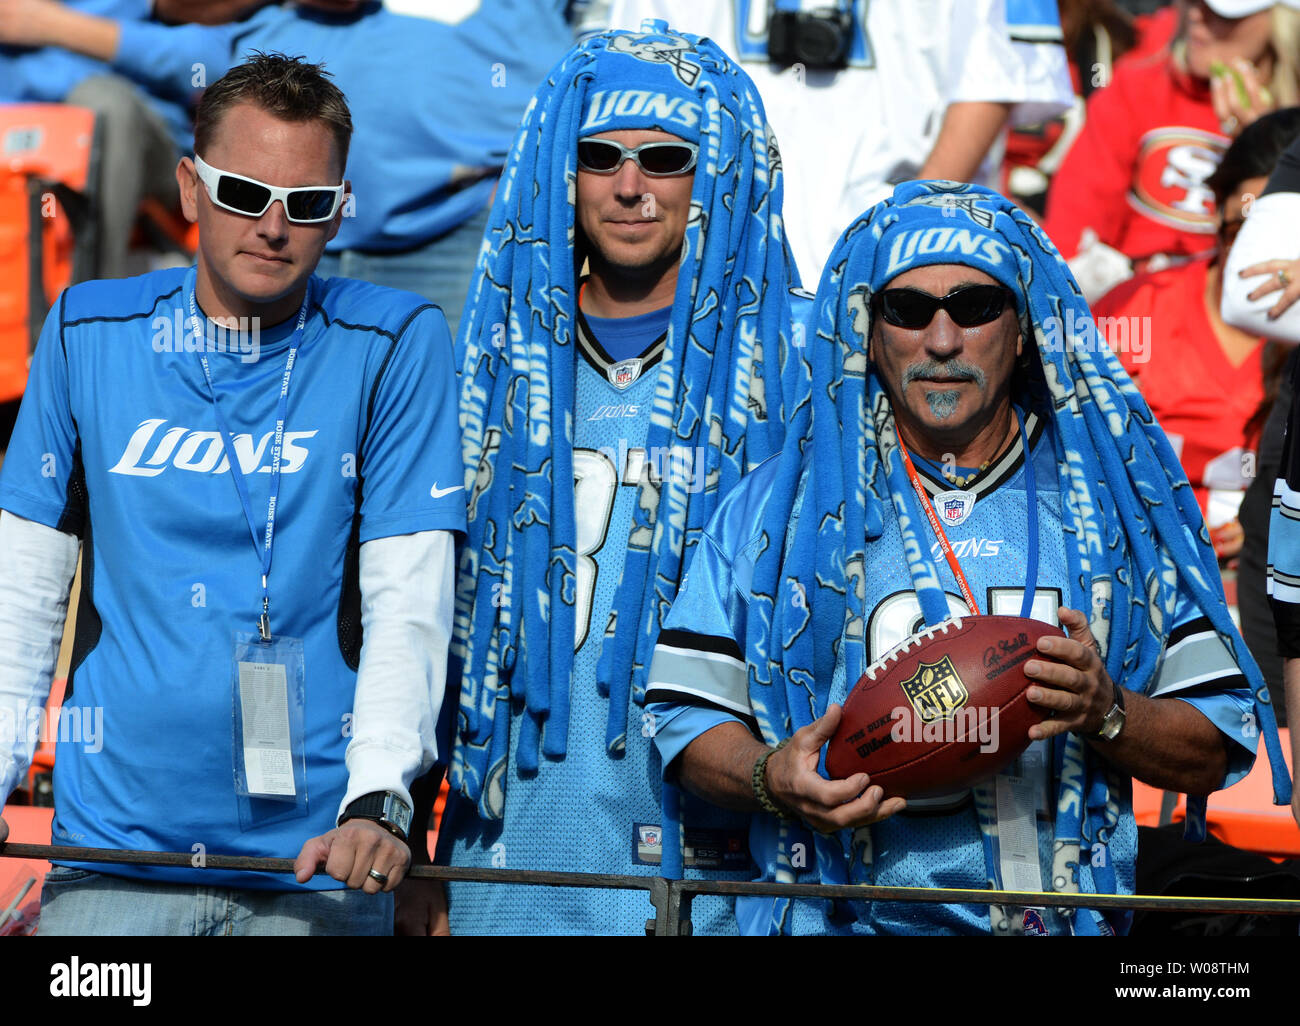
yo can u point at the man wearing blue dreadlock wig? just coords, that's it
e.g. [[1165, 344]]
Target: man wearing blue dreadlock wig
[[603, 418], [948, 327]]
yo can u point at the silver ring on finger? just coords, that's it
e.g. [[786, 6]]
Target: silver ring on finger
[[378, 877], [1283, 278], [1230, 124]]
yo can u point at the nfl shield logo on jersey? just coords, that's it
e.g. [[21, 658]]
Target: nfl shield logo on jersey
[[954, 507], [649, 840], [623, 374]]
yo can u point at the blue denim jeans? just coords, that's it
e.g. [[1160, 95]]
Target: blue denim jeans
[[441, 270], [81, 903]]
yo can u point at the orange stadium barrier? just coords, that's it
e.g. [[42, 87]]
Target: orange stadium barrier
[[1243, 816], [20, 879], [47, 155], [43, 759]]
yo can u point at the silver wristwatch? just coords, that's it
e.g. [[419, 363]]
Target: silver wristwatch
[[1113, 722], [384, 808]]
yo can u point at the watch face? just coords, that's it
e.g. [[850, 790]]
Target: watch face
[[398, 813], [401, 816]]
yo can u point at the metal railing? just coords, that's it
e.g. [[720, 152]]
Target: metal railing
[[672, 898]]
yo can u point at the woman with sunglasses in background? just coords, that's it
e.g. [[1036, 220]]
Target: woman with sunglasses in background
[[1133, 194]]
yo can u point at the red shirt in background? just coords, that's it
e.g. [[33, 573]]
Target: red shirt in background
[[1155, 31], [1027, 145], [1158, 327], [1136, 174]]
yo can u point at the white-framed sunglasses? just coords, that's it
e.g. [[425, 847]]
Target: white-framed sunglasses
[[656, 159], [305, 204]]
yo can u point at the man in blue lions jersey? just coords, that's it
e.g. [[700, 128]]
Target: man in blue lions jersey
[[970, 450], [188, 426], [603, 419]]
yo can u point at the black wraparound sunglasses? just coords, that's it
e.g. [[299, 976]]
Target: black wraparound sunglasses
[[968, 306]]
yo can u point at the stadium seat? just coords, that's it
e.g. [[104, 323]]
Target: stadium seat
[[28, 826], [43, 760], [47, 157]]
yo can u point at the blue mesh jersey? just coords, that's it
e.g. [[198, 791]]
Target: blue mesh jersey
[[117, 441], [937, 842], [592, 812]]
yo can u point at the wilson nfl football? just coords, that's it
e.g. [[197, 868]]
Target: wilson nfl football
[[943, 709]]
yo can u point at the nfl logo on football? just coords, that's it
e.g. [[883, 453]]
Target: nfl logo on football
[[937, 710]]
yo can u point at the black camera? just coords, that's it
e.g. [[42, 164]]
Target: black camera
[[815, 39]]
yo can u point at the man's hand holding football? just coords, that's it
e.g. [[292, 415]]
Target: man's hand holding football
[[1077, 691], [825, 805]]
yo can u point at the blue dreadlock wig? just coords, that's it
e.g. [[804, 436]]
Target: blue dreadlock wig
[[1131, 524], [727, 375]]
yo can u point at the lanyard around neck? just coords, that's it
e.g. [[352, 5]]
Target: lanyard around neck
[[232, 458], [1031, 495]]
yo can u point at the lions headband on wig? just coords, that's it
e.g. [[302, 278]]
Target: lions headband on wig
[[720, 388], [1131, 524], [643, 82], [943, 228]]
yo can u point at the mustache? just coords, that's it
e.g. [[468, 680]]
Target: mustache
[[954, 368]]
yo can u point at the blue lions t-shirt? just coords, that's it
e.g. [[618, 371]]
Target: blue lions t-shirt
[[117, 441]]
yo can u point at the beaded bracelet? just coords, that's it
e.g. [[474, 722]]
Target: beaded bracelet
[[759, 781]]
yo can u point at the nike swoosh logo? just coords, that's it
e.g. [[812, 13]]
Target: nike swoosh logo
[[438, 493]]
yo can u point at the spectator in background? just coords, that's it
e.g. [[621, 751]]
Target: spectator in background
[[435, 103], [1132, 193], [140, 133], [1268, 242], [1262, 281], [923, 89], [1266, 246], [1252, 306], [1096, 33], [1211, 385]]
